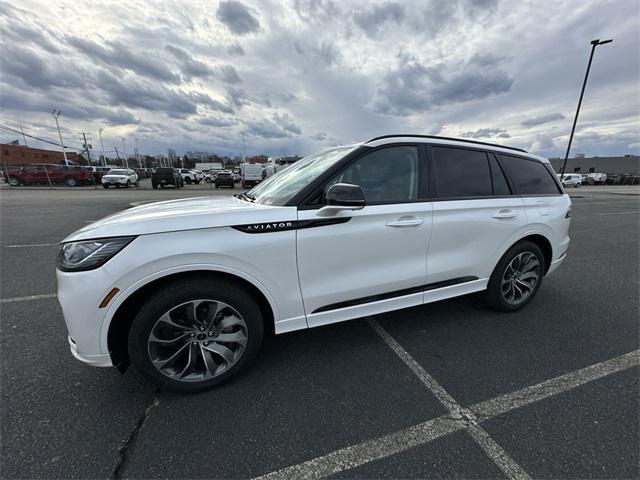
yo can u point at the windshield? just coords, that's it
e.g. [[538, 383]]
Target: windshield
[[281, 187], [118, 172]]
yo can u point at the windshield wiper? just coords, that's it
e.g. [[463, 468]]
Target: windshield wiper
[[245, 196]]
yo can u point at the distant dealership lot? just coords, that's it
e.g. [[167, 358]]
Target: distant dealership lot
[[553, 386]]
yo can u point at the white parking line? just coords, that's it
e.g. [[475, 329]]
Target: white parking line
[[33, 245], [619, 213], [423, 433], [497, 454], [511, 401], [25, 299]]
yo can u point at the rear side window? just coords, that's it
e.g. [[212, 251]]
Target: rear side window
[[461, 173], [529, 177]]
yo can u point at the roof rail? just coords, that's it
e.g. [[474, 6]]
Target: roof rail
[[447, 138]]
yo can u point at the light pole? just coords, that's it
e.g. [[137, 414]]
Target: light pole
[[64, 152], [124, 154], [104, 159], [594, 44]]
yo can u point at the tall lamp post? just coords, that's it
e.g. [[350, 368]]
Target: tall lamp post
[[594, 44], [64, 152], [104, 159]]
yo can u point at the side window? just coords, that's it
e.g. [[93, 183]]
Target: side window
[[461, 173], [529, 176], [388, 175], [500, 185]]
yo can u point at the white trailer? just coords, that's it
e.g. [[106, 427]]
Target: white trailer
[[209, 166]]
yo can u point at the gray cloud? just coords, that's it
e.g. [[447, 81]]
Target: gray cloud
[[486, 133], [413, 88], [372, 20], [189, 66], [316, 11], [287, 123], [551, 117], [228, 74], [235, 49], [29, 67], [216, 121], [117, 54], [237, 17]]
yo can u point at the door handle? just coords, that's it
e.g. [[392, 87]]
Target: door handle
[[405, 222], [505, 214]]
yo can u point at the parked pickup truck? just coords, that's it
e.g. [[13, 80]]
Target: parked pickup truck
[[71, 175], [161, 177], [191, 176]]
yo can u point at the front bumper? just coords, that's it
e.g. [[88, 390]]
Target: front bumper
[[114, 181], [556, 263], [100, 360]]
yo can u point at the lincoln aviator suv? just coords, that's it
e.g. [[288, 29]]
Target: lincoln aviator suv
[[185, 290]]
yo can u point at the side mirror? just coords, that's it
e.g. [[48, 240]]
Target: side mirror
[[343, 196]]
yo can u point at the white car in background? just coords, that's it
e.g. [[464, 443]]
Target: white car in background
[[120, 177], [570, 179], [185, 289]]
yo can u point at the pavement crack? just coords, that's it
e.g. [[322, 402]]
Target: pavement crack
[[124, 454]]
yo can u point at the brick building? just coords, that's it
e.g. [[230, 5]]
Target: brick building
[[11, 154]]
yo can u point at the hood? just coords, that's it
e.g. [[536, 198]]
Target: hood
[[186, 214]]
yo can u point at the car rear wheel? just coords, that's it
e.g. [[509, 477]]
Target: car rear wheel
[[517, 277], [14, 181], [105, 185], [196, 334], [70, 181]]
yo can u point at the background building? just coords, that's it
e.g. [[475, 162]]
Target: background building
[[627, 165], [11, 154]]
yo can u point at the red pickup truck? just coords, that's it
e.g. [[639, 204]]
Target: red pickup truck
[[71, 175]]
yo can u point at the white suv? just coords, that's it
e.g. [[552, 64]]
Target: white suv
[[186, 289], [570, 179]]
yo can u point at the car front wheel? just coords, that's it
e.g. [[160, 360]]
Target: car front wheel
[[14, 181], [70, 181], [517, 277], [196, 334]]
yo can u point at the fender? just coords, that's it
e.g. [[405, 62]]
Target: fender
[[124, 295], [534, 229]]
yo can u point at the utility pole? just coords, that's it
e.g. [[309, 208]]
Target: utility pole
[[137, 152], [86, 147], [64, 152], [124, 154], [104, 159], [594, 44], [244, 150], [23, 137]]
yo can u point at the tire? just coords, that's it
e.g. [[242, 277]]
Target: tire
[[162, 185], [188, 180], [14, 181], [128, 183], [243, 328], [155, 186], [70, 181], [531, 265], [104, 185]]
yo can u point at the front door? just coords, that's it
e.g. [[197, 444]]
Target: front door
[[367, 261]]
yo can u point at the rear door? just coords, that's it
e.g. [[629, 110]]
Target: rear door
[[371, 260], [542, 197], [474, 213]]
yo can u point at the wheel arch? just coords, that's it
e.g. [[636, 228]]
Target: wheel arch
[[122, 319], [538, 239]]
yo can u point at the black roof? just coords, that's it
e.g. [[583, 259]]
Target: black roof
[[448, 138]]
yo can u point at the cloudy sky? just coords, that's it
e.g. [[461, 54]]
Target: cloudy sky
[[298, 75]]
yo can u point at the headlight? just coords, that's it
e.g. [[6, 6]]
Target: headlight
[[89, 254]]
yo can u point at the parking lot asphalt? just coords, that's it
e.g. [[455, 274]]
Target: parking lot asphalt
[[409, 394]]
